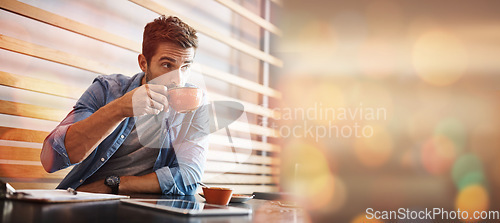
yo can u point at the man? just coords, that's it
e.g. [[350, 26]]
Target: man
[[122, 135]]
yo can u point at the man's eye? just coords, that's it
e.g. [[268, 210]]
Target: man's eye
[[184, 68], [167, 65]]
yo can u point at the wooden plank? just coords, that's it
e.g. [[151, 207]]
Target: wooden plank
[[107, 37], [254, 129], [33, 185], [215, 155], [225, 167], [160, 9], [40, 112], [31, 111], [34, 50], [249, 107], [24, 135], [34, 145], [52, 88], [238, 81], [243, 143], [213, 178], [68, 24], [41, 52], [249, 189], [16, 169], [38, 85], [33, 154], [19, 153], [251, 16]]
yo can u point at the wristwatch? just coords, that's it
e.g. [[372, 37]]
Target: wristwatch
[[113, 182]]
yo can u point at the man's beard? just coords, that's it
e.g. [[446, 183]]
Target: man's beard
[[149, 76]]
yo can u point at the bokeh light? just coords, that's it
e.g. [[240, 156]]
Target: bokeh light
[[438, 154], [326, 96], [338, 199], [454, 130], [467, 170], [496, 177], [421, 63], [361, 218], [317, 43], [472, 198], [306, 173], [370, 96], [439, 58], [350, 27], [384, 17], [374, 151], [421, 123], [378, 58]]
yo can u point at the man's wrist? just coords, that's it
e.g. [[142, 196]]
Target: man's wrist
[[113, 182], [125, 184], [115, 110]]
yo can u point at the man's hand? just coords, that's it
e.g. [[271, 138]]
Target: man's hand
[[146, 99], [95, 187]]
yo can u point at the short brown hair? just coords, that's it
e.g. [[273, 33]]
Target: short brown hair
[[167, 29]]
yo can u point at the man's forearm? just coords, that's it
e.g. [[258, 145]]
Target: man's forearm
[[140, 184], [84, 136]]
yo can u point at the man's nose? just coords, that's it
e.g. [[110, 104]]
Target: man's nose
[[176, 78]]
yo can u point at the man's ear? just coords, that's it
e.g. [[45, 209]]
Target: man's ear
[[143, 64]]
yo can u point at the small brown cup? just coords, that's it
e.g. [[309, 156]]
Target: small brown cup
[[217, 195], [185, 99]]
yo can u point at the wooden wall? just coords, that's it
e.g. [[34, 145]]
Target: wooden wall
[[52, 50]]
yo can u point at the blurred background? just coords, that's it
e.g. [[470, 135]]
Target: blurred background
[[419, 82], [348, 104]]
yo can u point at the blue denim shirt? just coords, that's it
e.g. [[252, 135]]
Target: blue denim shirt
[[184, 136]]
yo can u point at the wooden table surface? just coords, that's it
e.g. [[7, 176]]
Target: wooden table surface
[[115, 211]]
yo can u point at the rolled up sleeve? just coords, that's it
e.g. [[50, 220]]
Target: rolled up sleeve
[[182, 179], [190, 147], [91, 100]]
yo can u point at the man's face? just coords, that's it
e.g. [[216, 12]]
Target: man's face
[[169, 66]]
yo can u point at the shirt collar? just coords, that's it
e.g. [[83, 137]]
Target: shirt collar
[[136, 82]]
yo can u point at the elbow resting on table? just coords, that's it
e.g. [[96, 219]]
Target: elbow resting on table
[[47, 157]]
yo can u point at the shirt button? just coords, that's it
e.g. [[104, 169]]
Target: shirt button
[[122, 136], [81, 180], [102, 159]]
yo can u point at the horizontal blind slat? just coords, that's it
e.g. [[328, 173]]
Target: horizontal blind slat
[[23, 135], [38, 85], [29, 171], [160, 9], [210, 178], [19, 153], [251, 16], [34, 50], [31, 111], [215, 155], [224, 167], [110, 38], [33, 185], [20, 46]]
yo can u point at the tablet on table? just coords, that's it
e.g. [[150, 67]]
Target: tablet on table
[[187, 207]]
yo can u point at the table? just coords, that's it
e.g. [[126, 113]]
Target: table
[[115, 211]]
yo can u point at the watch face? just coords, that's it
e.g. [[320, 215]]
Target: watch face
[[112, 180]]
